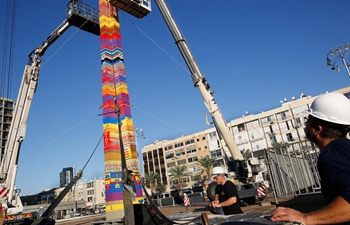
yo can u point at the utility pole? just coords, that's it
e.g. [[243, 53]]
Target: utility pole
[[127, 198], [336, 57]]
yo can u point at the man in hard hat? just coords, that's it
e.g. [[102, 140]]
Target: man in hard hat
[[226, 194], [327, 126]]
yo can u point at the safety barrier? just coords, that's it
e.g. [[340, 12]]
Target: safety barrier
[[293, 169], [194, 198]]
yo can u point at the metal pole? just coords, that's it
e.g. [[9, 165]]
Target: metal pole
[[344, 63], [127, 199], [269, 164], [339, 52]]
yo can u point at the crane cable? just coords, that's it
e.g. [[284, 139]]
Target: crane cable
[[8, 38], [178, 63]]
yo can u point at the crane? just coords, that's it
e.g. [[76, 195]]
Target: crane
[[78, 14]]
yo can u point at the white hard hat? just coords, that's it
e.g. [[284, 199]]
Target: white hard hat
[[331, 107], [218, 170]]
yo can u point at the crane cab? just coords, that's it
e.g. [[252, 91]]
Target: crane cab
[[137, 8]]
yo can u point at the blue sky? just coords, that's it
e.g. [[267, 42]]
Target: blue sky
[[253, 54]]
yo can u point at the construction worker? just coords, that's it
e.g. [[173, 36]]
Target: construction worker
[[226, 194], [327, 126]]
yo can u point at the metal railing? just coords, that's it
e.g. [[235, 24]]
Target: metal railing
[[293, 169]]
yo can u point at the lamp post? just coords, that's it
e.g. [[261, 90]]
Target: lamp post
[[336, 57], [139, 133]]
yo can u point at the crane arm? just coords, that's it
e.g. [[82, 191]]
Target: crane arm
[[200, 82], [17, 131]]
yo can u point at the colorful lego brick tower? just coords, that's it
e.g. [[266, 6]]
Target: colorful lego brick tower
[[115, 96]]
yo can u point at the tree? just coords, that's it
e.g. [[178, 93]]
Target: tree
[[161, 187], [206, 163], [178, 172], [152, 179], [246, 153], [280, 148]]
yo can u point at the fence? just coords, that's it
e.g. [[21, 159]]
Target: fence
[[172, 201], [293, 169]]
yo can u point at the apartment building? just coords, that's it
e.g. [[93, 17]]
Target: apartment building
[[66, 176], [162, 156], [284, 124], [92, 192], [253, 133], [6, 114]]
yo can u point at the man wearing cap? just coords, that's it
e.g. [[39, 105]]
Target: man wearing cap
[[226, 194], [327, 126]]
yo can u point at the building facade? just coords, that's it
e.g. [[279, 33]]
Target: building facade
[[66, 176], [84, 197], [6, 114], [92, 192], [161, 156], [252, 133]]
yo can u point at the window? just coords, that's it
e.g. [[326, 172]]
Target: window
[[174, 182], [169, 165], [178, 145], [180, 153], [283, 115], [181, 162], [194, 169], [189, 142], [212, 135], [241, 127], [193, 159], [267, 120], [155, 155], [168, 148], [185, 180], [169, 156], [273, 139], [191, 151], [203, 138], [289, 137], [90, 185], [196, 178], [216, 153]]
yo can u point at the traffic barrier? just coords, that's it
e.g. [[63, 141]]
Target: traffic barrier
[[186, 200], [262, 191]]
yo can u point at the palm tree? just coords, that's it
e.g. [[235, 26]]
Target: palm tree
[[280, 148], [178, 172], [206, 163], [152, 179], [246, 153]]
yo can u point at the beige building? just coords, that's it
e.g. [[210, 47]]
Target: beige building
[[92, 192], [161, 156], [284, 124], [253, 133]]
